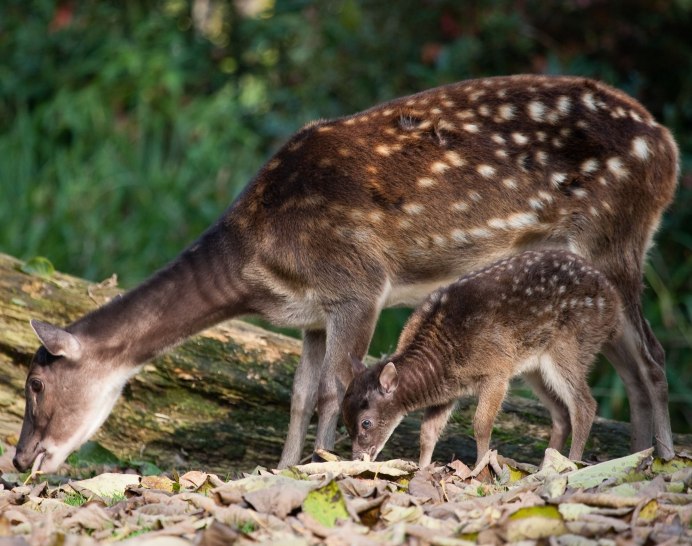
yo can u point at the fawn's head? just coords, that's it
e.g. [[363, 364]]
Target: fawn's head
[[370, 410], [69, 393]]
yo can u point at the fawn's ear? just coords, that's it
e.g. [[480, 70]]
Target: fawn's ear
[[57, 341], [357, 365], [389, 379]]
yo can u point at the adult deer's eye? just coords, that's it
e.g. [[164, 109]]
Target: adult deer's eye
[[366, 423], [36, 385]]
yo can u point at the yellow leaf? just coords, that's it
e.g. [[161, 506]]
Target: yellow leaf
[[649, 511]]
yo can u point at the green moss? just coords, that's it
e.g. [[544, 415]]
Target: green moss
[[75, 499]]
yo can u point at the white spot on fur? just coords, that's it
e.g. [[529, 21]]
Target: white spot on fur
[[466, 114], [476, 95], [439, 167], [520, 138], [497, 223], [460, 206], [485, 170], [413, 208], [545, 196], [589, 166], [588, 100], [536, 110], [498, 139], [454, 158], [564, 104], [557, 178], [459, 235], [536, 204], [502, 154], [425, 182], [510, 183], [479, 233], [470, 127], [541, 157], [640, 148], [616, 167], [483, 110], [383, 149], [521, 219], [506, 111], [474, 196], [439, 240]]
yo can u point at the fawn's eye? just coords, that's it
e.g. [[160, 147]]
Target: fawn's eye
[[366, 423], [36, 385]]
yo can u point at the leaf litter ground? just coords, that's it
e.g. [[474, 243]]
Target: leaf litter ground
[[636, 500]]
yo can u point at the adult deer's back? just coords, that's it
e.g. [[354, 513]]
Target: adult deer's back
[[379, 208]]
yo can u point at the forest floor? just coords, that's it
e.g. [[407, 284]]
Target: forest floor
[[637, 499]]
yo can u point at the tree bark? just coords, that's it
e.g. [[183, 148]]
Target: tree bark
[[220, 401]]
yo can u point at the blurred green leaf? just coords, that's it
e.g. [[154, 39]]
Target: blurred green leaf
[[92, 453], [39, 266]]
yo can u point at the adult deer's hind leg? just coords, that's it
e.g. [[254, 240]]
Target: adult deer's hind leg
[[638, 358]]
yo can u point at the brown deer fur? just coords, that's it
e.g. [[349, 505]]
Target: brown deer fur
[[543, 315], [378, 209]]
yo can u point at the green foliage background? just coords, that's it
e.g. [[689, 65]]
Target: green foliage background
[[127, 127]]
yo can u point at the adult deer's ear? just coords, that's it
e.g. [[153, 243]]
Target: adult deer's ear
[[357, 365], [57, 341], [389, 379]]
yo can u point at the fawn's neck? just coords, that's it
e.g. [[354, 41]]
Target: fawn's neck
[[198, 289], [423, 379]]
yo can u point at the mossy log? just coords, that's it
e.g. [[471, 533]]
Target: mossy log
[[220, 401]]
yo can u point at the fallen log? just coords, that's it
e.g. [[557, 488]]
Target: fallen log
[[220, 401]]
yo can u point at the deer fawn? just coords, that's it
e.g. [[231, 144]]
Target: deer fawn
[[542, 315], [379, 209]]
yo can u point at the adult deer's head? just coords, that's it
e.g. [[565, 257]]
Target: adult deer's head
[[69, 393]]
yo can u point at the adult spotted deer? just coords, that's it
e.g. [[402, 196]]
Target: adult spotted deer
[[375, 210], [542, 315]]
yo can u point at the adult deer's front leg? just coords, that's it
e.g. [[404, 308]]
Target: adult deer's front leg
[[304, 395], [349, 330]]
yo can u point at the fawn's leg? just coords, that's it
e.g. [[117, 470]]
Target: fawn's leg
[[559, 413], [582, 413], [565, 372], [434, 421], [491, 393], [304, 395]]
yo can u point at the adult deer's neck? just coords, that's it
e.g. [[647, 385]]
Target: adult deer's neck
[[198, 289]]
